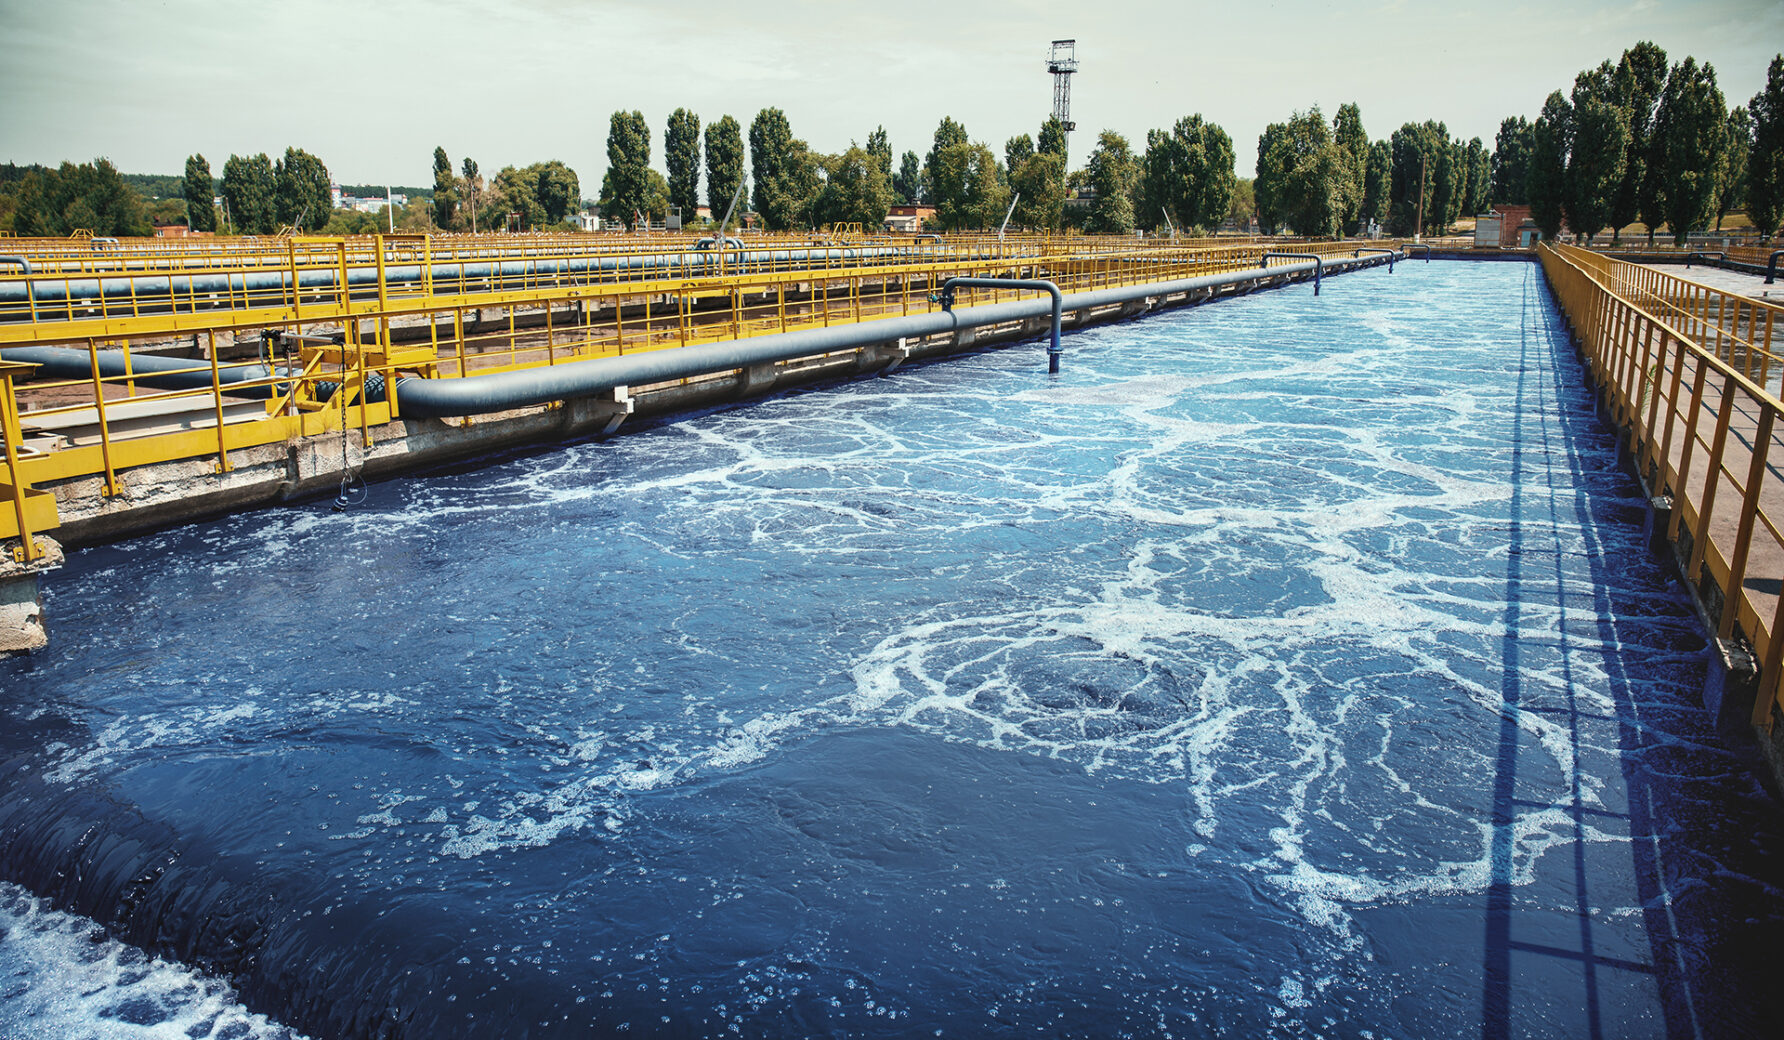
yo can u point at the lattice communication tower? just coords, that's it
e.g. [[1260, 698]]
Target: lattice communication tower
[[1061, 62]]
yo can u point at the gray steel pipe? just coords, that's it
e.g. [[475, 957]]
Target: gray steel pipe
[[1053, 351], [476, 395], [163, 373], [1771, 266], [1319, 264], [1375, 249]]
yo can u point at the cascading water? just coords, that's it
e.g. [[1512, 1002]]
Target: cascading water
[[1285, 666]]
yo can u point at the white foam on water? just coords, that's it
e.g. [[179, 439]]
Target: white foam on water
[[62, 976]]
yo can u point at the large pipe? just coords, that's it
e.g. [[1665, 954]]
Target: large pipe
[[476, 395], [1771, 266], [1053, 351], [25, 263], [163, 373], [1717, 253], [1374, 249], [1319, 264]]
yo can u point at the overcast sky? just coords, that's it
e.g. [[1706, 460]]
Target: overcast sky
[[373, 87]]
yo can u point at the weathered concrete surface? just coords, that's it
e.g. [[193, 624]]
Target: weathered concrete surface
[[23, 627]]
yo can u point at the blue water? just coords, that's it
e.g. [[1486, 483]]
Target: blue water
[[1286, 666]]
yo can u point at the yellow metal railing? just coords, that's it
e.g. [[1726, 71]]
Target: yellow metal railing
[[1676, 362], [439, 325]]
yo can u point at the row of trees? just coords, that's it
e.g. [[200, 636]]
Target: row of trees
[[519, 198], [1639, 141]]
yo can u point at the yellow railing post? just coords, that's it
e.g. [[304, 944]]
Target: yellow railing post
[[14, 432]]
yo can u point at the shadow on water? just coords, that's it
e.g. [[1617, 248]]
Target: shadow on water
[[1701, 834]]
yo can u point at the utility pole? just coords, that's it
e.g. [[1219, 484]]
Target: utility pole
[[1419, 231]]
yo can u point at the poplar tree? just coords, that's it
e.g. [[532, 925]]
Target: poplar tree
[[1039, 181], [1052, 139], [1017, 151], [772, 169], [1689, 128], [1347, 133], [907, 183], [948, 134], [248, 189], [1416, 147], [1739, 141], [472, 188], [1765, 161], [681, 157], [1511, 162], [1596, 151], [1547, 185], [1377, 176], [445, 191], [881, 149], [1112, 173], [303, 198], [1187, 174], [199, 193], [724, 164], [626, 187], [1640, 77]]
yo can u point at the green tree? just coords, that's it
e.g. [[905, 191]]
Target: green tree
[[1348, 133], [1186, 173], [1479, 164], [907, 183], [1689, 130], [1449, 185], [1053, 140], [1039, 183], [513, 200], [302, 198], [969, 188], [855, 189], [1267, 186], [1017, 151], [627, 180], [1113, 174], [248, 194], [1419, 151], [1377, 176], [1511, 162], [91, 196], [880, 148], [724, 165], [1734, 170], [445, 191], [1312, 181], [1546, 187], [681, 156], [198, 190], [781, 169], [536, 196], [1244, 205], [559, 191], [1765, 160], [1597, 150], [470, 188], [947, 134], [1640, 77]]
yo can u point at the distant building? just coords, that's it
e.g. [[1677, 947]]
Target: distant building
[[1508, 226], [908, 218]]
